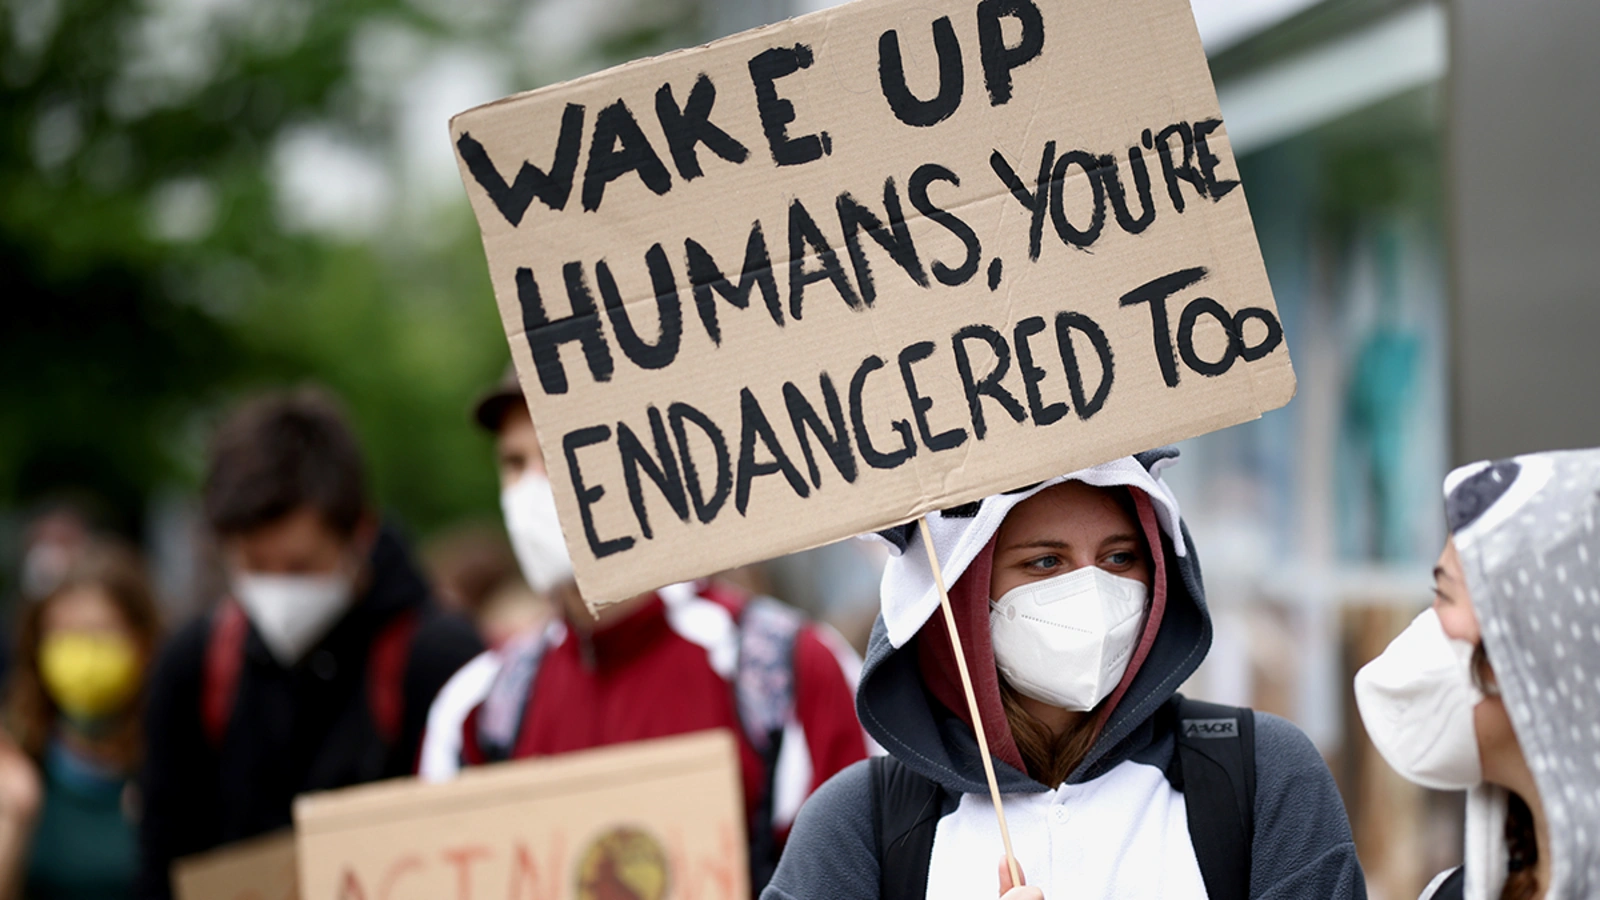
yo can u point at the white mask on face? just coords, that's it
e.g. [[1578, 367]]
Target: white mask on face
[[529, 505], [293, 612], [1067, 640], [1416, 700]]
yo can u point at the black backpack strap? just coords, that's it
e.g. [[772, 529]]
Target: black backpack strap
[[1214, 765], [905, 810]]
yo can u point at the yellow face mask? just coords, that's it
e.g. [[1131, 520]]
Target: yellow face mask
[[89, 676]]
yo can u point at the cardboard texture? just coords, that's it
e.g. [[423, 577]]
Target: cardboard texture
[[258, 869], [822, 277], [640, 821]]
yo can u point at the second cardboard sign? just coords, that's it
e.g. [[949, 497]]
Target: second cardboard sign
[[633, 822]]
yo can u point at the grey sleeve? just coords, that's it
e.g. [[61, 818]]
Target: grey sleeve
[[1302, 846], [832, 853]]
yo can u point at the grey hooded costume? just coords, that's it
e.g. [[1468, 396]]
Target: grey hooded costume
[[1302, 846], [1528, 533]]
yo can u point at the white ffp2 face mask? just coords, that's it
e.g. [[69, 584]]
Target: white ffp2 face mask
[[1067, 640], [293, 612], [1417, 700], [529, 505]]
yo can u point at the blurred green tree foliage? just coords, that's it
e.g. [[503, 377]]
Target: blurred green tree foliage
[[155, 267]]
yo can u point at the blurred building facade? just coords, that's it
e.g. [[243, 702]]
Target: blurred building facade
[[1320, 522], [1426, 241], [1523, 192]]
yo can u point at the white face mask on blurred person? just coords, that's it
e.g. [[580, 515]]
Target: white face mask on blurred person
[[293, 612], [1417, 700], [530, 509], [1067, 640]]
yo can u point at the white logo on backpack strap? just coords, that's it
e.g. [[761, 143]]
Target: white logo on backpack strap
[[1210, 728]]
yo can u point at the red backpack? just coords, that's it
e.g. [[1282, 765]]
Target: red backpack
[[224, 660]]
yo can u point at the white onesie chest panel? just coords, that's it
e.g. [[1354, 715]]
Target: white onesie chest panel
[[1124, 836]]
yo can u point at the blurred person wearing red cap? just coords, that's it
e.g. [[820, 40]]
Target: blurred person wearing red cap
[[685, 658]]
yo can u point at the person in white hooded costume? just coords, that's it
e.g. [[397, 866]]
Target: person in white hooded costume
[[1081, 609], [1496, 688]]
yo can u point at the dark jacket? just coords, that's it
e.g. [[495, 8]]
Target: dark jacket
[[1114, 808], [291, 731]]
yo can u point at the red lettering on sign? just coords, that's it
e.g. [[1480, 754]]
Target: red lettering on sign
[[463, 858], [398, 869], [350, 887], [528, 880], [703, 876]]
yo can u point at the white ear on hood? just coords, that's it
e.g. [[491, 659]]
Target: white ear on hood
[[908, 593]]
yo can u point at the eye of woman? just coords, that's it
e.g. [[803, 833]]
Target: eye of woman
[[1120, 559], [1049, 562], [1442, 592]]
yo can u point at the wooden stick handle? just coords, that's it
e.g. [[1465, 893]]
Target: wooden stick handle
[[972, 702]]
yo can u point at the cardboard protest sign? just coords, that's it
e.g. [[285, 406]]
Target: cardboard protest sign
[[638, 821], [258, 869], [823, 277]]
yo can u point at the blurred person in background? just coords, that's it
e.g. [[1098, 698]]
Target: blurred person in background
[[1080, 609], [476, 575], [73, 712], [316, 672], [686, 658], [1495, 689], [510, 611], [56, 537]]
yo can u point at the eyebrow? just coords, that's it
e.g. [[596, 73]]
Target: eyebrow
[[1052, 544], [1037, 544]]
